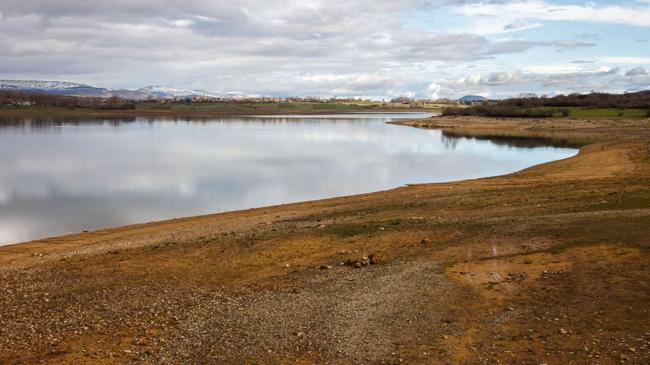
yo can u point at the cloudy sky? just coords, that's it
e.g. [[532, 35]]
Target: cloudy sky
[[380, 48]]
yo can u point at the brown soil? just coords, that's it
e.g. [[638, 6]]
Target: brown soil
[[547, 265]]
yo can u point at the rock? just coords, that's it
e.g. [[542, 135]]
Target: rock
[[510, 309], [563, 331], [357, 265], [517, 277], [325, 267], [375, 259]]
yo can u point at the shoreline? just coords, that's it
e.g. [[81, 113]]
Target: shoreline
[[186, 113], [416, 123], [522, 249]]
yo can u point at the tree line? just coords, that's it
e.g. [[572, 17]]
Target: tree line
[[544, 107], [22, 98]]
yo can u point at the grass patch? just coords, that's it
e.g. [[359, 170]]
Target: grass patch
[[349, 230]]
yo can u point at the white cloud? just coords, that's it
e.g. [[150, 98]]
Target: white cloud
[[495, 15], [626, 60], [554, 69], [548, 79], [293, 47], [433, 91]]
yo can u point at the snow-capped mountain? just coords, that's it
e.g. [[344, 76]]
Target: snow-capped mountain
[[39, 85], [67, 88], [172, 92], [76, 89]]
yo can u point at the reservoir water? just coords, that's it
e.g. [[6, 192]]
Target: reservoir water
[[67, 175]]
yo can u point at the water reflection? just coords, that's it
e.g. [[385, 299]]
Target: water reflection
[[451, 140], [66, 175]]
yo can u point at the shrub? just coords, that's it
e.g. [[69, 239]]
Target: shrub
[[498, 111]]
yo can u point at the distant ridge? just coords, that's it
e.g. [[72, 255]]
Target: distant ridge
[[471, 98], [166, 91], [68, 89], [76, 89], [39, 85]]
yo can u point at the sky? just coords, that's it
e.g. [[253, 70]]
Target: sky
[[344, 48]]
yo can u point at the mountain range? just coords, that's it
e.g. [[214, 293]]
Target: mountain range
[[158, 91], [76, 89]]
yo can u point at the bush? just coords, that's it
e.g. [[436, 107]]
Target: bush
[[647, 113], [639, 99], [498, 111]]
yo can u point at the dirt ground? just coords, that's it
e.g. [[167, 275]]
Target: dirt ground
[[547, 265]]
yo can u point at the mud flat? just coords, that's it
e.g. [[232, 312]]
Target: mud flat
[[547, 265]]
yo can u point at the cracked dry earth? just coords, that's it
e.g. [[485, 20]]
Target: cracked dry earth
[[548, 265]]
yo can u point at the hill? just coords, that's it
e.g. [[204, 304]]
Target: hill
[[471, 98]]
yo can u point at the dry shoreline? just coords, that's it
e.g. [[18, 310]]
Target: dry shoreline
[[549, 264]]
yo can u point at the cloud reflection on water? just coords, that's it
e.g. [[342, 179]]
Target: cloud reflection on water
[[60, 176]]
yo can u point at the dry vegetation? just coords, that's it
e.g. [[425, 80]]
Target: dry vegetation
[[594, 105], [547, 265]]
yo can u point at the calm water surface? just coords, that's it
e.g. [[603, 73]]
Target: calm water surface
[[60, 176]]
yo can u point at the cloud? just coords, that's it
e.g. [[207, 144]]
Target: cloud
[[637, 71], [512, 12], [590, 36], [265, 47], [569, 43], [582, 61], [626, 60], [296, 47], [540, 79], [509, 77], [433, 91], [520, 25]]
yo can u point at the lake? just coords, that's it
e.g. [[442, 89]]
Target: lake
[[67, 175]]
